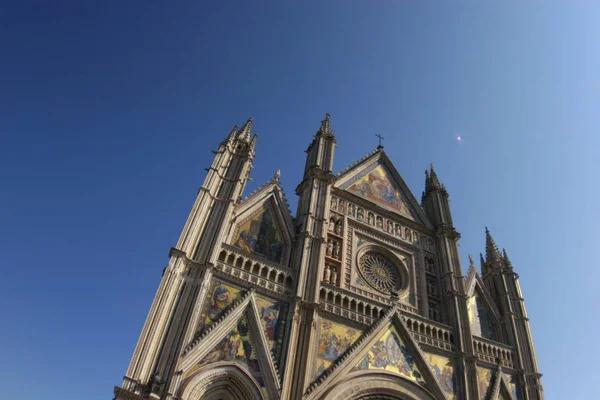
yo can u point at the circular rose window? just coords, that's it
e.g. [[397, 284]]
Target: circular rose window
[[380, 272]]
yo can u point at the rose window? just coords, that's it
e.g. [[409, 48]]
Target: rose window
[[380, 272]]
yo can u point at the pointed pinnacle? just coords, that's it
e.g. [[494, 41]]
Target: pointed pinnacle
[[506, 259], [471, 263], [277, 176], [231, 135], [435, 183], [481, 261], [491, 250], [244, 133], [325, 128]]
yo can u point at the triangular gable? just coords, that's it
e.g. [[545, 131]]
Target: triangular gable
[[391, 354], [484, 318], [238, 338], [375, 179], [505, 392], [388, 347], [263, 225]]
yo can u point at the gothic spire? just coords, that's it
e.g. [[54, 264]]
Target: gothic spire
[[246, 131], [434, 181], [325, 128], [427, 181], [253, 142], [491, 250], [506, 259], [231, 135], [482, 264]]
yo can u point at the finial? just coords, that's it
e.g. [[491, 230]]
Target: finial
[[246, 131], [277, 176], [471, 262], [380, 146], [325, 128]]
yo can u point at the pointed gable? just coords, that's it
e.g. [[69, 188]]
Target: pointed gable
[[237, 346], [391, 354], [376, 184], [263, 224], [481, 319], [261, 234], [239, 338], [375, 179]]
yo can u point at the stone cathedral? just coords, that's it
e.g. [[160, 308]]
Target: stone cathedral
[[358, 296]]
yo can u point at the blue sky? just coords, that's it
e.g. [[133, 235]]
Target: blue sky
[[108, 114]]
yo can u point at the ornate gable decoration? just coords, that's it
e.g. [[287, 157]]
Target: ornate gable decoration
[[261, 234], [375, 179], [263, 224], [376, 185]]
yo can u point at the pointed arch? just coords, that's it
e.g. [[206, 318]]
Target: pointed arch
[[380, 385], [225, 379]]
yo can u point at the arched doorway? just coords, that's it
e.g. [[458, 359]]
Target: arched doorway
[[376, 386], [221, 382]]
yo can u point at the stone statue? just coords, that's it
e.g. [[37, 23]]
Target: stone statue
[[331, 224], [341, 206], [338, 227], [333, 205], [389, 226], [360, 214], [327, 274], [371, 219], [336, 249], [333, 276], [380, 222], [351, 209], [329, 247]]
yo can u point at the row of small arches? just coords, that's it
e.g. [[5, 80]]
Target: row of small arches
[[428, 330], [351, 304], [256, 268], [493, 351]]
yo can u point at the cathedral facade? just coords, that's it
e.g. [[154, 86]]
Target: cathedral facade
[[360, 296]]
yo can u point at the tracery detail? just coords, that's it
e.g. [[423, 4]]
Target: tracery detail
[[380, 272]]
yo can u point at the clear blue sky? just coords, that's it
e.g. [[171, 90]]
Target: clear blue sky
[[108, 114]]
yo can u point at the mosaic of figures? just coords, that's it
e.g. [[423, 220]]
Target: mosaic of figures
[[219, 298], [272, 319], [271, 313], [479, 318], [237, 346], [376, 185], [261, 234], [484, 378], [443, 370], [334, 340], [391, 354], [386, 225]]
